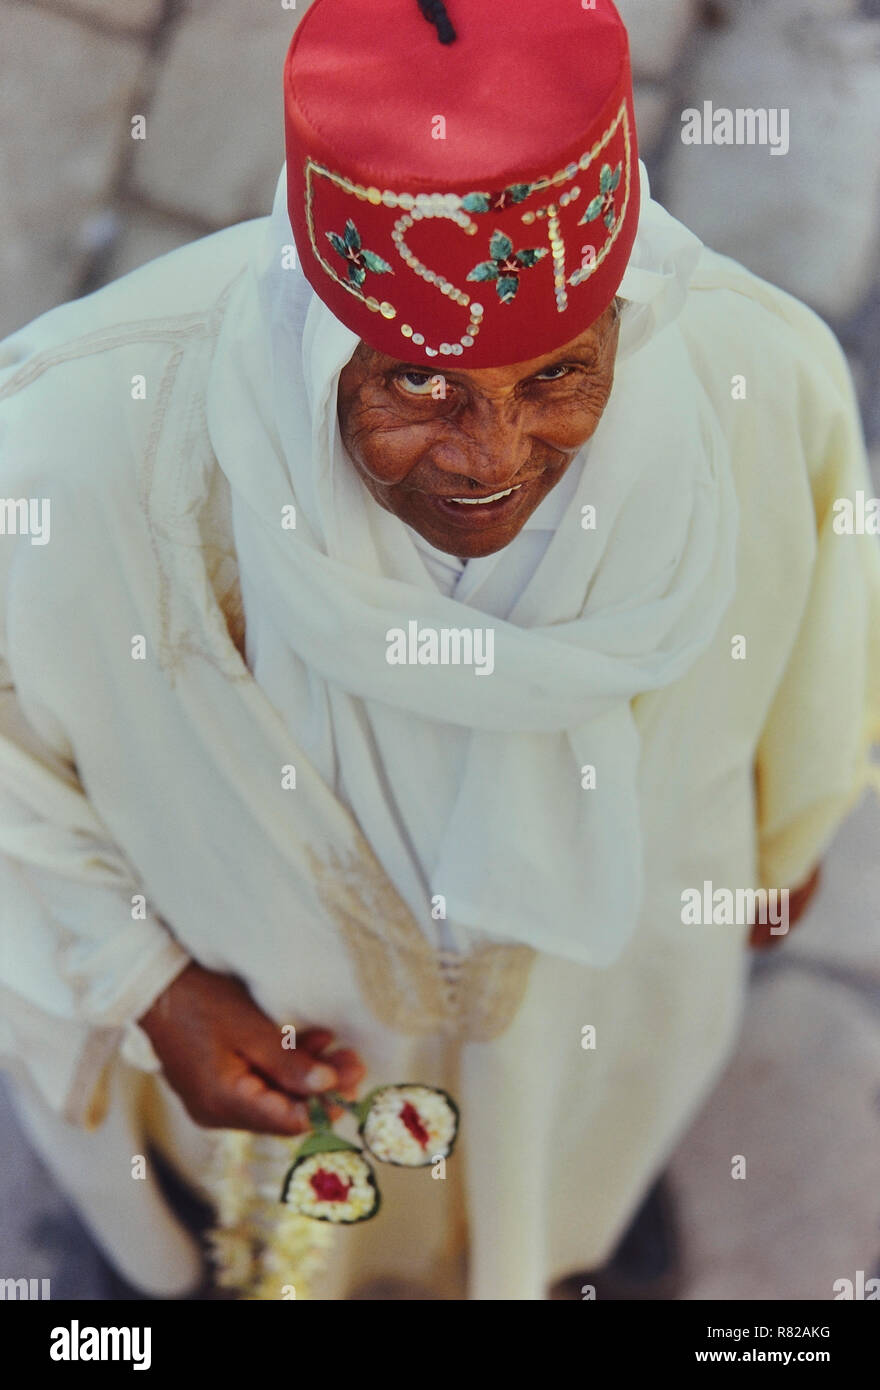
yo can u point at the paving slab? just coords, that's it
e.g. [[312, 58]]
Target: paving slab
[[144, 236], [214, 141], [137, 15], [657, 32], [784, 12], [65, 98], [863, 334], [653, 102], [41, 1237], [799, 1102], [842, 926], [806, 219]]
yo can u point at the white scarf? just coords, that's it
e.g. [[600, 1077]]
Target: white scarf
[[470, 788]]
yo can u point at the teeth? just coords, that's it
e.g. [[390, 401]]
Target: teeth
[[481, 501]]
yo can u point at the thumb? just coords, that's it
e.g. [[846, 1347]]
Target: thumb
[[319, 1076]]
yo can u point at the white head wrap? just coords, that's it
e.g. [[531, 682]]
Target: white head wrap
[[469, 790]]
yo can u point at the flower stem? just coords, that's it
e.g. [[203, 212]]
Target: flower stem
[[353, 1106], [319, 1117]]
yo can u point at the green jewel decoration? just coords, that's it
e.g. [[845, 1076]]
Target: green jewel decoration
[[359, 260], [497, 202], [505, 266], [604, 204]]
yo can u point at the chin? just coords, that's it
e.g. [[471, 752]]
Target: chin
[[478, 534], [467, 547], [471, 542], [475, 551]]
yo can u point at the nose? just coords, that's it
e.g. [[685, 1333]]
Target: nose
[[487, 445]]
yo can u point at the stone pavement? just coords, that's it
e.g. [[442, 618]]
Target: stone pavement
[[800, 1101], [84, 201]]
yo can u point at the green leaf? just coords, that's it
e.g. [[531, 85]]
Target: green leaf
[[317, 1113], [507, 287], [518, 192], [615, 179], [352, 236], [531, 255], [364, 1105], [609, 220], [334, 1098], [356, 274], [376, 263], [476, 202], [592, 212], [605, 179], [338, 243], [486, 270], [324, 1141], [500, 246]]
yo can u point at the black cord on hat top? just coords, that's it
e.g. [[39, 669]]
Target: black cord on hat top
[[435, 11]]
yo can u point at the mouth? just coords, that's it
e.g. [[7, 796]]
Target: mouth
[[483, 501], [477, 510]]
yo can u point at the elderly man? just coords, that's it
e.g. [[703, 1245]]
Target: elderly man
[[442, 592]]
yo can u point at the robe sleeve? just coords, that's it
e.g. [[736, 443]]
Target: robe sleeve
[[81, 957], [814, 757]]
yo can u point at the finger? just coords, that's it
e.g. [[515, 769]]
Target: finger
[[295, 1070], [250, 1103], [350, 1069], [300, 1073], [316, 1040], [760, 938], [348, 1064], [799, 898]]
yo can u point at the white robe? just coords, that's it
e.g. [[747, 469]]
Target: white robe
[[114, 783]]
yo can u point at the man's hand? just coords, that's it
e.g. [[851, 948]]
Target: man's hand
[[223, 1057], [798, 901]]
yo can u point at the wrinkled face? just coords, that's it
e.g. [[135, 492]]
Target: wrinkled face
[[465, 457]]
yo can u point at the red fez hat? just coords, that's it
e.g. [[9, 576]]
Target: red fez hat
[[462, 178]]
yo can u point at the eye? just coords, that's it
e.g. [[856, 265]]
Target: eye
[[553, 373], [418, 383]]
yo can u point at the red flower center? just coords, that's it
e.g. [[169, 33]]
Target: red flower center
[[412, 1120], [329, 1187]]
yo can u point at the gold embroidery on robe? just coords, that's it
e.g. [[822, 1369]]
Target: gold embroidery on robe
[[411, 987]]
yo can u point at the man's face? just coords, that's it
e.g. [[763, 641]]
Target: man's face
[[428, 443]]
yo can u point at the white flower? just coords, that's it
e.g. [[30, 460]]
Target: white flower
[[409, 1125], [336, 1186]]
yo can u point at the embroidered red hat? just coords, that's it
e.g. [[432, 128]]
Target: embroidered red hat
[[462, 178]]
